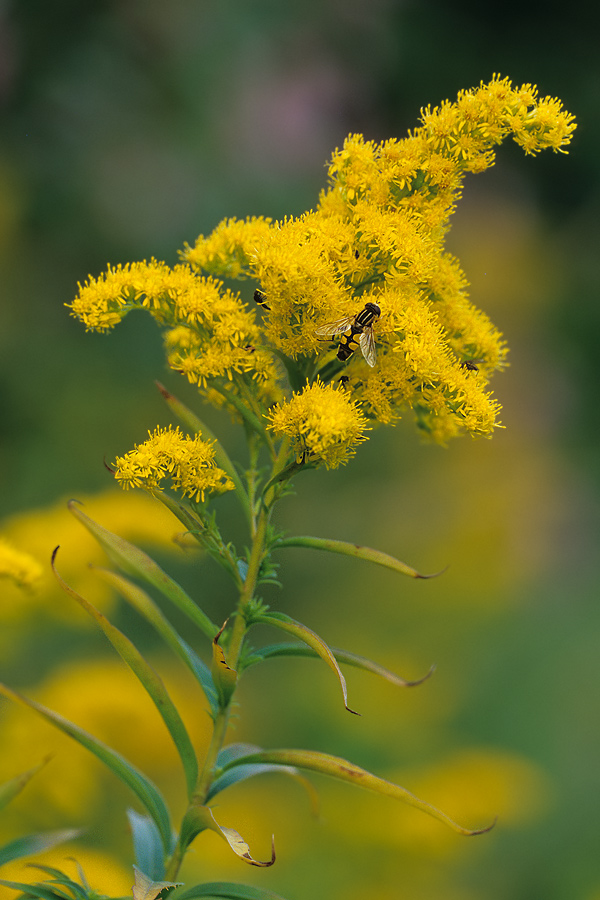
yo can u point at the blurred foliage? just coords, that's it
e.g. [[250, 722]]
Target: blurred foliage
[[128, 128]]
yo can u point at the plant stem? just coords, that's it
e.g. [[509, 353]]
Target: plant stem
[[257, 553]]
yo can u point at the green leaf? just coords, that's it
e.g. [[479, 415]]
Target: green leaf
[[226, 890], [204, 530], [145, 790], [80, 891], [342, 656], [283, 621], [343, 770], [134, 561], [147, 844], [149, 679], [36, 843], [139, 599], [10, 789], [224, 677], [34, 890], [241, 773], [356, 550]]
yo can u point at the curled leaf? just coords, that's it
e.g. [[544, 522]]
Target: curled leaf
[[283, 621], [342, 656], [343, 770], [239, 846], [348, 549]]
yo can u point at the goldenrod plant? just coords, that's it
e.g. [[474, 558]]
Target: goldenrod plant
[[348, 317]]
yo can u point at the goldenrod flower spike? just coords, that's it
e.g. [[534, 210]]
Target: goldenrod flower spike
[[322, 422], [187, 462]]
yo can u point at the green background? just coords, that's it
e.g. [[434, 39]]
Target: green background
[[131, 127]]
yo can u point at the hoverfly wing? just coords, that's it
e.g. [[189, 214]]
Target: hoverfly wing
[[333, 328], [367, 345]]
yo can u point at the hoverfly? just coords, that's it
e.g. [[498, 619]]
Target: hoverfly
[[356, 331]]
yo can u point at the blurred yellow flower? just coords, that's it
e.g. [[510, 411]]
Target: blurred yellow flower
[[21, 568], [104, 698], [137, 518], [103, 872]]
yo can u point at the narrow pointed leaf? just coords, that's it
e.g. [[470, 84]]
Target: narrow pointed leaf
[[226, 890], [139, 599], [133, 561], [204, 819], [283, 621], [241, 773], [356, 550], [197, 426], [11, 788], [36, 843], [197, 529], [147, 889], [79, 891], [150, 681], [342, 656], [224, 677], [343, 770], [34, 890], [148, 847], [145, 790]]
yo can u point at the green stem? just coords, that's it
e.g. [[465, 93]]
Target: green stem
[[221, 722], [252, 474]]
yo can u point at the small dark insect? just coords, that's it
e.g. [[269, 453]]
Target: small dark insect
[[356, 331], [344, 382], [471, 365], [260, 297]]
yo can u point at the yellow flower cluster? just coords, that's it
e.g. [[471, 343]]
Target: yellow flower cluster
[[322, 422], [211, 335], [21, 568], [376, 237], [187, 462]]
